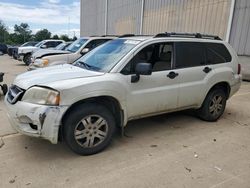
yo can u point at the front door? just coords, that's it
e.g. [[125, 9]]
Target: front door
[[152, 93]]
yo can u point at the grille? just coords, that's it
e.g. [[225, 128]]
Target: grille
[[14, 94]]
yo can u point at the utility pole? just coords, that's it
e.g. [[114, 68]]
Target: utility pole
[[68, 25]]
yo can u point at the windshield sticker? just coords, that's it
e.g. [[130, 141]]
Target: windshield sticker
[[132, 42]]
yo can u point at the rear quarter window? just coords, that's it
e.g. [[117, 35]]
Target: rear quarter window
[[217, 53]]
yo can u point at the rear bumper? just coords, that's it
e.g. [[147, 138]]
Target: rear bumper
[[236, 85]]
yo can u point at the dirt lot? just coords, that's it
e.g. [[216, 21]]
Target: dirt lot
[[174, 150]]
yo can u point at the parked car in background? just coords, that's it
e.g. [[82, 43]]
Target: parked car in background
[[25, 52], [60, 49], [124, 79], [4, 87], [74, 51], [13, 51], [63, 46], [3, 48], [10, 50]]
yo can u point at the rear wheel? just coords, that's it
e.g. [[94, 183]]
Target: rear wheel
[[213, 106], [89, 129], [27, 59]]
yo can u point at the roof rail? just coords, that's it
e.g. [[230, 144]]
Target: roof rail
[[109, 35], [104, 36], [187, 35], [126, 35]]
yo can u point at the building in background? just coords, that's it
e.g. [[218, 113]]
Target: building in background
[[229, 19]]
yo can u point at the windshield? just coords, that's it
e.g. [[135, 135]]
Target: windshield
[[25, 44], [75, 46], [105, 57], [29, 44], [60, 46], [39, 44]]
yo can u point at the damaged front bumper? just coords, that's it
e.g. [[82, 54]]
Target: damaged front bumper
[[36, 120]]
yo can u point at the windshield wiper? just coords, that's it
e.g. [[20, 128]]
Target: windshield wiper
[[85, 65]]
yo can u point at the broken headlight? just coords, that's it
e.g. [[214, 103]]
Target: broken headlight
[[41, 62], [41, 95]]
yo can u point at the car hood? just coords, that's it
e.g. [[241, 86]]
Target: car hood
[[28, 48], [43, 53], [52, 74]]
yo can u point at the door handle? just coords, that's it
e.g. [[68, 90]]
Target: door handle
[[172, 75], [207, 69]]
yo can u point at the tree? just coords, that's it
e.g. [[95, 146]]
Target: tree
[[74, 38], [55, 37], [23, 32], [64, 37], [4, 34], [42, 35]]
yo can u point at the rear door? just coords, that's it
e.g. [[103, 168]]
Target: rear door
[[190, 64]]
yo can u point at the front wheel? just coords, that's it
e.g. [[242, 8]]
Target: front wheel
[[27, 59], [213, 106], [89, 129], [4, 89]]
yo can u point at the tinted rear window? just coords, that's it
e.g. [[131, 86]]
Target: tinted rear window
[[217, 53], [189, 54]]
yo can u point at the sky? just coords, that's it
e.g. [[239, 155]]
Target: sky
[[58, 16]]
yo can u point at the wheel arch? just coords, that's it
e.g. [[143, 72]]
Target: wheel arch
[[28, 53], [223, 85], [108, 101]]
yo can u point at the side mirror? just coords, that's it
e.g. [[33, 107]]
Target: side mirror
[[141, 69], [44, 46], [84, 51]]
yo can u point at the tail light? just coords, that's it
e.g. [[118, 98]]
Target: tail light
[[239, 68]]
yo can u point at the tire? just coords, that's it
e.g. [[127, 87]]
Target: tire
[[213, 106], [27, 59], [81, 132], [4, 89]]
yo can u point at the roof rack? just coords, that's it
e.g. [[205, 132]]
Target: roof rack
[[187, 35], [104, 36], [133, 35], [126, 35], [109, 35]]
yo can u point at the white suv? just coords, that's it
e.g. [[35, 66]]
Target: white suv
[[124, 79], [25, 52]]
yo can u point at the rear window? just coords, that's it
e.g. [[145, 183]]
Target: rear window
[[217, 53]]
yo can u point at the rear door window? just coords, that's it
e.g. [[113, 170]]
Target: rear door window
[[217, 53], [189, 54]]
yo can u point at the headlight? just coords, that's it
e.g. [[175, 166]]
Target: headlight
[[40, 95], [41, 62]]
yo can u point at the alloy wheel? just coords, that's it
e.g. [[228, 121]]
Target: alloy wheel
[[91, 131], [216, 105]]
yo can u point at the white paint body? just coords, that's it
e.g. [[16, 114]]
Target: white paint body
[[151, 95]]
